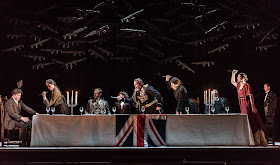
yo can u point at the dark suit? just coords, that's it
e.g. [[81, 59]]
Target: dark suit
[[13, 118], [125, 109], [149, 98], [181, 95], [269, 106], [220, 104]]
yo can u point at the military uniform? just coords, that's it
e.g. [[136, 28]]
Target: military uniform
[[149, 98]]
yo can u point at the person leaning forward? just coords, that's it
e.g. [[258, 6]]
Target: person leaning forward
[[57, 100], [14, 119], [147, 98]]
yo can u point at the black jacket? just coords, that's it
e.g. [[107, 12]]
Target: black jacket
[[269, 102], [145, 96]]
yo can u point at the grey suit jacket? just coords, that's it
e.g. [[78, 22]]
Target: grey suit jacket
[[12, 113]]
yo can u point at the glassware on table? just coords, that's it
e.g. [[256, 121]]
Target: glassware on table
[[143, 109], [53, 109], [213, 109], [227, 109], [114, 109], [81, 110], [48, 109], [187, 109], [102, 110]]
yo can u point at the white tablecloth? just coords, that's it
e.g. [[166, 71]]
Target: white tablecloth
[[181, 130], [208, 130]]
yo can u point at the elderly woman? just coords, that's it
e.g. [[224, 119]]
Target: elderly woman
[[247, 106], [57, 100]]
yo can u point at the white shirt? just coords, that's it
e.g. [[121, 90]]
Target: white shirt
[[15, 100], [266, 95]]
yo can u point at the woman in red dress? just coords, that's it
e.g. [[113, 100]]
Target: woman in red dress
[[247, 106]]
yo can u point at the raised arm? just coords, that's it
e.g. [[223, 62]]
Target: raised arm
[[53, 99], [167, 78], [233, 82]]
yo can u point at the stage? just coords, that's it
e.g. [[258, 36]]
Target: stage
[[104, 139], [141, 155]]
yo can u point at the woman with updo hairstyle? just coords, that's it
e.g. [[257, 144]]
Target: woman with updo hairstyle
[[247, 106], [57, 99], [180, 93]]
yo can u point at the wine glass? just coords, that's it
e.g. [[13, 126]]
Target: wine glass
[[81, 110], [187, 109], [52, 109], [213, 109], [48, 110], [114, 109], [102, 110], [227, 109], [143, 109]]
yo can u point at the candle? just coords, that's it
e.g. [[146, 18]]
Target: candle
[[76, 98], [72, 101], [212, 98], [209, 98], [67, 94], [204, 97]]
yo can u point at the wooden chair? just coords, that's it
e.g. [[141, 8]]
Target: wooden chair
[[6, 141], [196, 101]]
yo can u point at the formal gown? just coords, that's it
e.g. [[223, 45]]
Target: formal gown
[[245, 108]]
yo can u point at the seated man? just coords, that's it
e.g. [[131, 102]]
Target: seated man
[[220, 103], [14, 119], [97, 105], [122, 106]]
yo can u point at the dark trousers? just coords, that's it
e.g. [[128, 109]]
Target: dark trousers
[[24, 132]]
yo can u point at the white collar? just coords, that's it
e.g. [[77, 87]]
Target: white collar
[[267, 92], [15, 100]]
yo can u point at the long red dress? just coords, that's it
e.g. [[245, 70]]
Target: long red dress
[[245, 108]]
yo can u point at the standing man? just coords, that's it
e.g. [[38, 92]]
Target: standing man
[[14, 119], [97, 105], [147, 98], [269, 111], [268, 103], [19, 84]]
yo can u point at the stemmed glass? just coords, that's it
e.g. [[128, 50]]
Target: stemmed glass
[[227, 109], [143, 109], [114, 109], [48, 110], [53, 109], [102, 110], [213, 109], [187, 109], [81, 110]]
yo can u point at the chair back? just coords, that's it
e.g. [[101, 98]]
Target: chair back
[[2, 120]]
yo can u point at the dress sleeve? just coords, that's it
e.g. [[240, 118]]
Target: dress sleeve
[[248, 89]]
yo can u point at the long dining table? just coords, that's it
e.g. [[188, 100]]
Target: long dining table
[[140, 130]]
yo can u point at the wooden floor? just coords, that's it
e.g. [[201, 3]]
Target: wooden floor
[[139, 155]]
